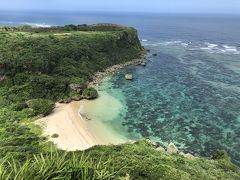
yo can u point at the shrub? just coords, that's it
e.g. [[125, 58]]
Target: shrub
[[44, 86], [220, 154], [55, 135], [20, 78], [90, 93], [19, 106], [41, 106], [56, 166]]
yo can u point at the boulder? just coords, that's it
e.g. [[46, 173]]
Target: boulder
[[68, 100], [182, 154], [172, 149], [152, 143], [129, 77], [76, 87], [143, 63], [161, 149], [190, 156], [2, 78], [61, 101], [76, 98], [130, 141], [90, 93]]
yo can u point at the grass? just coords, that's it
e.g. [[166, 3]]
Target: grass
[[127, 161], [55, 166], [39, 65]]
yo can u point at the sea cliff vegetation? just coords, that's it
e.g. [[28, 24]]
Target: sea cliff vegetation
[[39, 66], [128, 161]]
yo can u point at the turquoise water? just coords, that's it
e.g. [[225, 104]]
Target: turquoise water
[[189, 94]]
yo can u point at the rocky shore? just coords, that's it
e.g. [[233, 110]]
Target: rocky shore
[[98, 77]]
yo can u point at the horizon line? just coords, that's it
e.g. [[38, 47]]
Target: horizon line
[[133, 12]]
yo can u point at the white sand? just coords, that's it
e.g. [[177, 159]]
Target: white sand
[[76, 132]]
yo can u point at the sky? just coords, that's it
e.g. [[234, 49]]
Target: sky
[[155, 6]]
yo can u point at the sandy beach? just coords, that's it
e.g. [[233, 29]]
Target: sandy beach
[[76, 132]]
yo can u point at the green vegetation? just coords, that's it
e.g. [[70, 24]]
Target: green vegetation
[[128, 161], [55, 136], [55, 166], [39, 66], [41, 106], [90, 93]]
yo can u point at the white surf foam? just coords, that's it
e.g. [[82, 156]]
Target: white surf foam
[[36, 24], [220, 49]]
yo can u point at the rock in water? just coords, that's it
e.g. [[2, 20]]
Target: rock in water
[[129, 77], [172, 149]]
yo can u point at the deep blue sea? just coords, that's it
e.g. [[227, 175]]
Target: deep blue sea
[[189, 93]]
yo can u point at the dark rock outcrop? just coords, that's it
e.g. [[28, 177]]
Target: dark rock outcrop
[[76, 87]]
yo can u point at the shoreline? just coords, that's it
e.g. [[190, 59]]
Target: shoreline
[[74, 130], [99, 76]]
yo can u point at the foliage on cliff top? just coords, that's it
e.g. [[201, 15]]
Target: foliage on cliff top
[[142, 161], [41, 63], [127, 161]]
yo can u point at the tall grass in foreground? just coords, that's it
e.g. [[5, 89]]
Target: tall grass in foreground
[[55, 166]]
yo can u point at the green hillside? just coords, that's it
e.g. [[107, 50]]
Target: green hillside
[[39, 66], [128, 161]]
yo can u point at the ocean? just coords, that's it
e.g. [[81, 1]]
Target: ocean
[[188, 94]]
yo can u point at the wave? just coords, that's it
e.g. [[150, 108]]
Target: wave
[[221, 49], [36, 24], [203, 46], [230, 48]]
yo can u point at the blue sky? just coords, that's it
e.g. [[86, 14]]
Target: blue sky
[[161, 6]]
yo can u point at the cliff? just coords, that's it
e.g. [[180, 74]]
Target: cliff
[[41, 65]]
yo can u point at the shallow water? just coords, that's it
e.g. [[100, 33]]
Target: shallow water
[[189, 94]]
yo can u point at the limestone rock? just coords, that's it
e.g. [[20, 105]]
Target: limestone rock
[[172, 149], [68, 100], [76, 87], [76, 98], [130, 141], [190, 156], [161, 149], [152, 143], [182, 154], [129, 77], [61, 101], [2, 78]]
